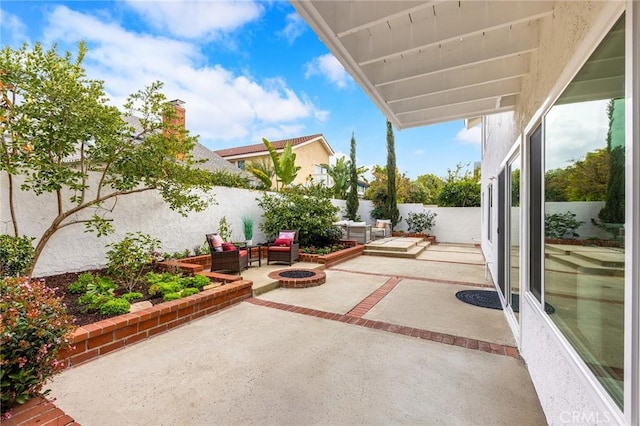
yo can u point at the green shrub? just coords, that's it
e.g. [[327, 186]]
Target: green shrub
[[98, 292], [171, 296], [16, 254], [132, 296], [189, 291], [115, 306], [561, 225], [419, 222], [312, 216], [129, 257], [34, 328], [80, 286], [196, 281], [461, 193]]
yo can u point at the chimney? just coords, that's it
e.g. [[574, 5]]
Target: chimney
[[178, 120], [180, 113]]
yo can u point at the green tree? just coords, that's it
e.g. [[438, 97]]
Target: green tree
[[61, 137], [613, 210], [284, 165], [555, 185], [352, 196], [587, 179], [432, 185], [392, 205], [460, 189]]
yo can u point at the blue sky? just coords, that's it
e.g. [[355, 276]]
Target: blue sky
[[245, 69]]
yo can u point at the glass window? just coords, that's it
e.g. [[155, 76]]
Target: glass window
[[584, 216], [240, 164]]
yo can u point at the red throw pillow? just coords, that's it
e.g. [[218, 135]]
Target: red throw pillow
[[282, 242], [228, 247]]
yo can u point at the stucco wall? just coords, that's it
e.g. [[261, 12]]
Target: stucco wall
[[71, 250], [566, 395]]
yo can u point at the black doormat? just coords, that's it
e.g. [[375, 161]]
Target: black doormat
[[490, 299]]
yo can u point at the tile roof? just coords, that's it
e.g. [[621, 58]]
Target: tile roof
[[215, 162], [259, 147]]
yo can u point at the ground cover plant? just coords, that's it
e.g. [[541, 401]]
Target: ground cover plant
[[323, 250]]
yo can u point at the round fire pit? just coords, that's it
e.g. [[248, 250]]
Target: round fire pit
[[298, 278]]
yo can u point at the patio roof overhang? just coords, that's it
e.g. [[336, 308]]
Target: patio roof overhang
[[424, 62]]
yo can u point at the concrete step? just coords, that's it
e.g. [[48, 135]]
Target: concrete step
[[608, 259], [394, 244], [412, 253], [585, 266]]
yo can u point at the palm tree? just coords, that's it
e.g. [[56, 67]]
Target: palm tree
[[339, 173]]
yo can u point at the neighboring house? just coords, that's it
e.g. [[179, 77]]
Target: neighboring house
[[362, 188], [550, 81], [310, 151]]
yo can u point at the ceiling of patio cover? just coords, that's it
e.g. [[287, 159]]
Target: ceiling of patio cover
[[424, 62]]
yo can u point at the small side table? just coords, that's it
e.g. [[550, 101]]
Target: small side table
[[254, 256]]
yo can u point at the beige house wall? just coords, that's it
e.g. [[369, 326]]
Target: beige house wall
[[308, 156]]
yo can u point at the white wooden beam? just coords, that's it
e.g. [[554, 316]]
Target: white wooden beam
[[493, 90], [503, 69], [347, 17], [452, 23], [493, 45], [442, 116]]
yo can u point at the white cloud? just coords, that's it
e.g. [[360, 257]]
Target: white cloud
[[223, 107], [11, 24], [295, 27], [572, 130], [197, 19], [470, 136], [329, 67]]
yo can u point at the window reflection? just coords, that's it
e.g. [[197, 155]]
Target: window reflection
[[584, 184]]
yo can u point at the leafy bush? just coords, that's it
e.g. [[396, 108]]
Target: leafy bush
[[16, 254], [462, 193], [313, 217], [129, 257], [189, 291], [419, 222], [196, 281], [561, 225], [115, 306], [34, 328], [132, 296], [172, 287], [98, 292], [171, 296], [80, 286]]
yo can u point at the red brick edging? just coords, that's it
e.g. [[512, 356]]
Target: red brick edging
[[448, 339], [38, 411], [96, 339]]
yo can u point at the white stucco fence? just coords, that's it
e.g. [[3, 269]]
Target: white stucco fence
[[71, 249]]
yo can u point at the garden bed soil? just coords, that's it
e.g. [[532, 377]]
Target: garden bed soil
[[60, 284]]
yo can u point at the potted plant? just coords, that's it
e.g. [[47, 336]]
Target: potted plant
[[247, 228]]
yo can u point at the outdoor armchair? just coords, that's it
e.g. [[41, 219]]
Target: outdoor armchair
[[233, 259], [285, 248], [382, 229]]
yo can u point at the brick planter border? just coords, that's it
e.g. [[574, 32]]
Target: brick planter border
[[317, 279], [429, 238], [93, 340], [334, 258]]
